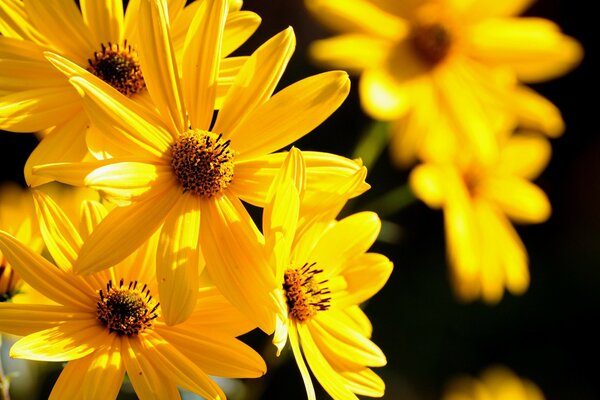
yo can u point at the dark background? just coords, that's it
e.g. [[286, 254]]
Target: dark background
[[547, 335]]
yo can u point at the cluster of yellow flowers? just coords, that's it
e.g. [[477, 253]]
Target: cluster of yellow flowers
[[156, 267]]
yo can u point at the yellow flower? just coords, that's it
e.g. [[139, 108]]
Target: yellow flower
[[109, 323], [178, 166], [496, 383], [447, 72], [484, 250], [324, 273], [102, 38]]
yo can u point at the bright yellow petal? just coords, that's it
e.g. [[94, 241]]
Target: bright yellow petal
[[243, 276], [482, 9], [74, 371], [215, 354], [365, 275], [536, 112], [92, 213], [357, 318], [70, 173], [44, 277], [157, 59], [178, 261], [382, 97], [353, 52], [256, 81], [68, 341], [123, 231], [201, 57], [290, 114], [62, 239], [521, 200], [427, 183], [25, 319], [524, 156], [364, 382], [64, 143], [105, 20], [106, 371], [62, 25], [295, 344], [533, 47], [238, 28], [20, 73], [14, 22]]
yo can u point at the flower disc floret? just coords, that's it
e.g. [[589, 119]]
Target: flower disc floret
[[304, 293], [202, 162], [119, 67], [432, 42], [126, 310]]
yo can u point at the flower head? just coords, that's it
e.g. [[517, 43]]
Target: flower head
[[110, 323], [447, 73], [484, 251], [182, 173]]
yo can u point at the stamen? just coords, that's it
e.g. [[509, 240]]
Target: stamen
[[126, 310], [305, 295], [119, 67], [202, 162], [432, 42]]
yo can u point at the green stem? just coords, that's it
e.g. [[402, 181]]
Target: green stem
[[392, 202], [372, 143]]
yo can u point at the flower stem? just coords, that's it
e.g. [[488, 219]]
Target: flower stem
[[372, 143], [392, 202]]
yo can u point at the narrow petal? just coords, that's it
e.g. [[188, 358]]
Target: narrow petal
[[243, 275], [64, 143], [295, 344], [71, 173], [62, 25], [524, 156], [536, 112], [106, 371], [20, 72], [214, 353], [178, 260], [44, 277], [256, 81], [482, 9], [521, 200], [354, 52], [14, 22], [123, 231], [68, 341], [92, 213], [74, 371], [105, 20], [202, 53], [228, 70], [290, 114], [239, 27], [157, 58], [25, 319], [365, 275], [62, 239], [364, 382], [427, 183]]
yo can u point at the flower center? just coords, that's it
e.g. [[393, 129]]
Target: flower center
[[9, 282], [304, 293], [126, 310], [432, 42], [119, 67], [202, 162]]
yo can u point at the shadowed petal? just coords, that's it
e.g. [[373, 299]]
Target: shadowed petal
[[105, 19], [25, 319]]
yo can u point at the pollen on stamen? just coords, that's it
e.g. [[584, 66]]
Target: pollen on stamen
[[126, 309], [119, 67], [305, 294], [202, 162], [432, 42]]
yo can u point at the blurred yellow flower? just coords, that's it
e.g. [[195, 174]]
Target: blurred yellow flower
[[100, 37], [495, 383], [325, 273], [447, 71], [176, 167], [484, 251], [109, 323]]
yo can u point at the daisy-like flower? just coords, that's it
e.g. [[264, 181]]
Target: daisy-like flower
[[101, 37], [324, 273], [179, 167], [109, 323], [495, 383], [479, 201], [447, 72]]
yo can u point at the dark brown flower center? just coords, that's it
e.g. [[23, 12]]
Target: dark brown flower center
[[305, 294], [432, 42], [119, 67], [202, 162], [126, 310]]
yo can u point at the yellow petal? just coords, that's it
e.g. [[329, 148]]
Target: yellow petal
[[68, 341], [427, 183], [382, 97], [482, 9], [294, 169], [524, 156], [178, 261], [14, 22], [290, 114], [239, 27], [521, 200], [357, 318], [157, 59], [353, 52], [62, 239], [536, 112], [25, 319], [62, 25], [105, 20], [44, 277], [71, 173], [106, 371], [243, 276], [365, 275], [74, 371], [19, 73], [123, 231], [533, 47], [202, 53], [256, 81], [364, 382], [295, 344], [215, 354], [92, 213]]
